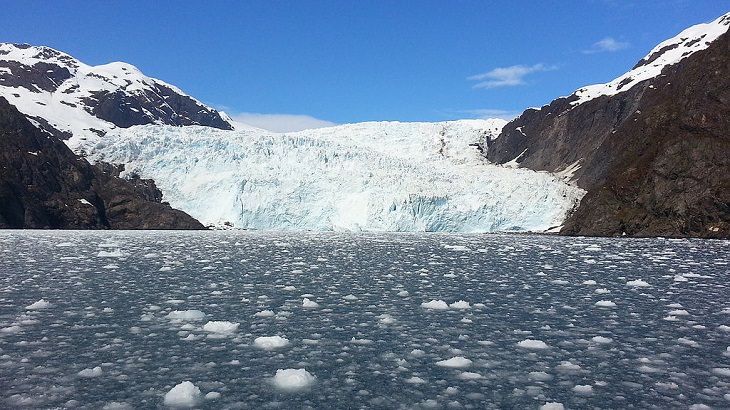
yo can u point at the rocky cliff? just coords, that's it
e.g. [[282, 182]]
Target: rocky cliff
[[653, 153], [44, 185]]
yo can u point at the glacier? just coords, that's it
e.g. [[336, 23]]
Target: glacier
[[376, 176]]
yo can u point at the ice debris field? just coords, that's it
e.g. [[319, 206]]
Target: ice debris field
[[127, 320]]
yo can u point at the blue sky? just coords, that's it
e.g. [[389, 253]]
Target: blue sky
[[351, 60]]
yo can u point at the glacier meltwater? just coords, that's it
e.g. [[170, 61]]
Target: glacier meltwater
[[255, 320], [382, 176]]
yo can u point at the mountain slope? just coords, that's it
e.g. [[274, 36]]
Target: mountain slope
[[386, 176], [78, 102], [44, 185], [651, 151]]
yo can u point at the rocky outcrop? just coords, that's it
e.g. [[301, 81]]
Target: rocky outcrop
[[44, 185], [654, 159]]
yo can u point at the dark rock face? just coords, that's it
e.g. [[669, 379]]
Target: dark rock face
[[159, 105], [655, 160], [44, 185]]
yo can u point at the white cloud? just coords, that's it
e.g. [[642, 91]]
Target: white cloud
[[607, 45], [507, 76], [280, 122], [485, 113]]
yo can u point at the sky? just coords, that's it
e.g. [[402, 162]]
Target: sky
[[285, 65]]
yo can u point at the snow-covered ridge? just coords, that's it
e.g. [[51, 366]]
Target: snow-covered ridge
[[71, 96], [384, 176], [669, 52]]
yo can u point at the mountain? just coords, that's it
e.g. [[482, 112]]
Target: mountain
[[651, 148], [77, 102], [379, 176], [45, 185]]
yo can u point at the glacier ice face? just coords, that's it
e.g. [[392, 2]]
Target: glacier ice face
[[382, 176]]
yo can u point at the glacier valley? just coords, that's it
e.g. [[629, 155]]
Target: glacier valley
[[378, 176]]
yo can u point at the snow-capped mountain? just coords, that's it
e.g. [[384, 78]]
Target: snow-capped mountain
[[651, 147], [384, 176], [60, 93]]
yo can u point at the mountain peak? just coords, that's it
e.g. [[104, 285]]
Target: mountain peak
[[666, 53], [68, 97]]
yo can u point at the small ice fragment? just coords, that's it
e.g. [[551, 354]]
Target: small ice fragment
[[186, 315], [469, 376], [532, 344], [307, 303], [96, 371], [40, 304], [605, 303], [552, 405], [212, 395], [678, 312], [184, 395], [220, 327], [291, 380], [583, 389], [415, 380], [456, 362], [350, 297], [721, 371], [435, 305], [638, 283], [589, 282], [270, 342], [539, 376], [601, 339], [460, 305], [403, 293], [265, 313]]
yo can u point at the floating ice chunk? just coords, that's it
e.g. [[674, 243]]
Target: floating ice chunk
[[539, 376], [605, 303], [310, 304], [602, 291], [112, 254], [95, 372], [386, 319], [688, 342], [186, 315], [638, 283], [460, 305], [601, 339], [415, 380], [291, 380], [221, 327], [583, 389], [469, 376], [532, 344], [435, 305], [456, 362], [552, 405], [421, 353], [403, 293], [265, 313], [721, 371], [11, 329], [184, 395], [590, 282], [678, 312], [290, 288], [270, 342], [360, 341], [40, 304], [350, 297], [117, 405], [457, 248], [212, 395], [680, 278]]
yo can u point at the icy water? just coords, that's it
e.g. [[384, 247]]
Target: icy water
[[119, 319]]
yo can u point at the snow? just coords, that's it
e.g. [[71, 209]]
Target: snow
[[292, 380], [183, 395], [40, 304], [533, 344], [378, 176], [270, 342], [456, 362], [669, 52]]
